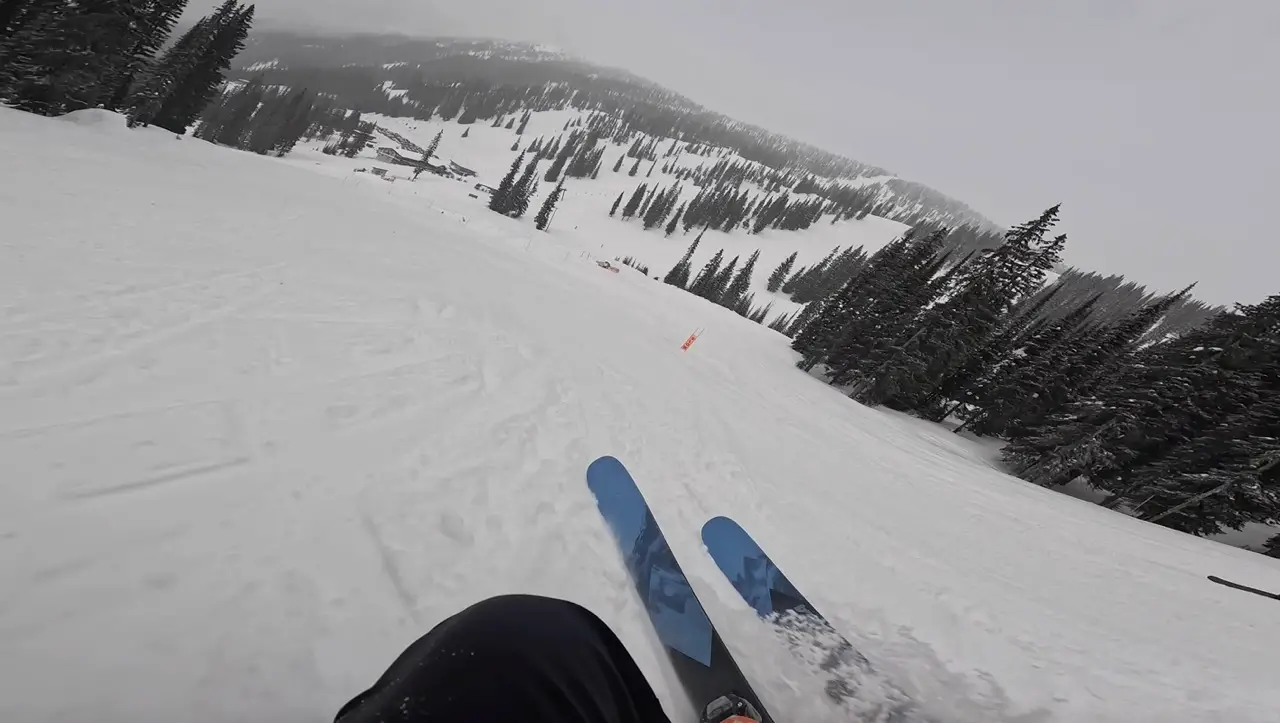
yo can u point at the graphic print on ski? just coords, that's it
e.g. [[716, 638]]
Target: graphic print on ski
[[763, 586], [701, 661]]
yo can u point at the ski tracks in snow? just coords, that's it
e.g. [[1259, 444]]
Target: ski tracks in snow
[[364, 453]]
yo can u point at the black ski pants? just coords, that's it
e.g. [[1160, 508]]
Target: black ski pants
[[512, 659]]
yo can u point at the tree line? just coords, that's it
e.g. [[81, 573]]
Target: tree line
[[958, 324], [265, 120], [446, 86], [463, 86], [516, 191], [59, 56], [722, 202], [720, 283], [1177, 427], [475, 96]]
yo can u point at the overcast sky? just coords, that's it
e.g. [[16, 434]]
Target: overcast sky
[[1154, 122]]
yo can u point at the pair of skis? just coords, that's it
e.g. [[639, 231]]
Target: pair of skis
[[701, 661]]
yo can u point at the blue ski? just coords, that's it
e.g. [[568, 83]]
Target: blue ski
[[700, 659], [774, 598]]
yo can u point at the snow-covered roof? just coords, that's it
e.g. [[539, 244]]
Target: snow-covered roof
[[406, 155]]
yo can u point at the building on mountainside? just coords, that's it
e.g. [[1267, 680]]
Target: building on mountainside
[[400, 157], [485, 188], [461, 170]]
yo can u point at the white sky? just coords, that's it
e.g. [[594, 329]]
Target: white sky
[[1152, 121]]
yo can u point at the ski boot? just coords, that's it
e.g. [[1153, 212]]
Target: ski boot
[[731, 708]]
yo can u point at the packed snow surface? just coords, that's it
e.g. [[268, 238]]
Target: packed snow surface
[[263, 422]]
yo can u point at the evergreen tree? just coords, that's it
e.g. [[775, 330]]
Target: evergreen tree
[[675, 220], [704, 284], [741, 283], [1164, 396], [232, 127], [656, 212], [1070, 368], [801, 320], [782, 323], [1224, 479], [467, 132], [296, 117], [634, 168], [842, 329], [693, 212], [584, 156], [524, 190], [804, 281], [500, 201], [195, 85], [909, 357], [15, 14], [562, 158], [742, 307], [614, 208], [510, 122], [169, 73], [720, 284], [921, 358], [550, 151], [679, 274], [434, 146], [451, 104], [633, 203], [361, 138], [65, 54], [148, 36], [258, 120], [543, 219], [1020, 340], [1015, 387], [349, 125], [780, 274], [648, 201], [1271, 548], [618, 165]]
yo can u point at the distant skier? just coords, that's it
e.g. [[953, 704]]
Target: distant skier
[[521, 658]]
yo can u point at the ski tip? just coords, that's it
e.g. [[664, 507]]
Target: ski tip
[[604, 462], [719, 523]]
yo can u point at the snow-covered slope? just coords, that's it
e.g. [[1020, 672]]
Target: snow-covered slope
[[582, 221], [263, 422]]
